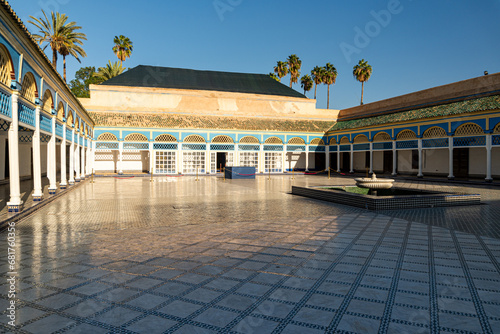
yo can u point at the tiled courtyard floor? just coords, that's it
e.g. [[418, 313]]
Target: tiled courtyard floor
[[245, 256]]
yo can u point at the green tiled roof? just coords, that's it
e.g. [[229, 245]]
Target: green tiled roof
[[180, 78], [173, 121], [456, 108]]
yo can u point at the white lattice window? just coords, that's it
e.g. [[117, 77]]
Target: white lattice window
[[104, 156], [194, 139], [434, 132], [213, 162], [5, 67], [136, 137], [107, 137], [28, 88], [296, 141], [360, 139], [47, 102], [166, 138], [333, 141], [229, 159], [382, 136], [132, 156], [344, 140], [222, 140], [165, 162], [406, 135], [193, 162], [469, 129], [273, 162], [317, 141], [249, 159], [249, 140], [273, 140]]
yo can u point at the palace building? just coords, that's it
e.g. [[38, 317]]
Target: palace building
[[165, 121]]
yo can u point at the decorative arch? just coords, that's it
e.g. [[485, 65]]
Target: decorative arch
[[69, 119], [469, 129], [82, 128], [6, 69], [249, 140], [296, 141], [333, 141], [406, 135], [194, 139], [28, 88], [360, 139], [273, 140], [382, 136], [222, 139], [77, 124], [434, 132], [497, 129], [344, 140], [60, 111], [166, 138], [136, 137], [107, 137], [47, 102], [317, 141]]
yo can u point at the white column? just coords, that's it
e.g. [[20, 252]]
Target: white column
[[327, 157], [37, 168], [15, 203], [283, 159], [120, 157], [72, 159], [420, 158], [394, 159], [352, 159], [338, 158], [88, 158], [179, 158], [82, 164], [371, 157], [208, 157], [307, 158], [151, 158], [77, 157], [52, 171], [489, 138], [236, 156], [63, 183], [450, 162], [262, 163]]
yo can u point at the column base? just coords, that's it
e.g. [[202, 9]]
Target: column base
[[451, 178], [71, 182], [18, 207], [420, 176], [394, 174], [82, 178], [488, 180], [52, 191], [77, 179], [37, 198], [63, 185]]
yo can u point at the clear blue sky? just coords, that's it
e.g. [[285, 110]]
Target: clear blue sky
[[421, 44]]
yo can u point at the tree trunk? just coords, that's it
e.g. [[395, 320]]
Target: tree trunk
[[362, 89], [315, 86], [328, 98], [54, 59], [291, 78], [64, 67]]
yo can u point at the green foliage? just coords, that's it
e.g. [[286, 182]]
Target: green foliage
[[110, 71], [84, 77], [362, 72], [274, 76], [306, 83], [294, 65], [123, 47], [281, 69]]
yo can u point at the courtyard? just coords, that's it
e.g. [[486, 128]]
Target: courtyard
[[126, 255]]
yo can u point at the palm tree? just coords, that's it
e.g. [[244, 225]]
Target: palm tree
[[123, 47], [317, 76], [54, 32], [71, 46], [306, 82], [362, 73], [294, 64], [329, 77], [274, 76], [281, 69], [110, 71]]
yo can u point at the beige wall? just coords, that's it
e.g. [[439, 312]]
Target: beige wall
[[435, 161], [198, 102], [404, 162]]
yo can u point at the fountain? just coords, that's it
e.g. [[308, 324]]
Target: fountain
[[373, 183]]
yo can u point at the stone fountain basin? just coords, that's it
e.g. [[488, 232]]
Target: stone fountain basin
[[371, 183]]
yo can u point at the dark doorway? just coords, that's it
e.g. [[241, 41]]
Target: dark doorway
[[7, 167], [461, 162], [67, 160], [346, 162], [387, 161], [221, 161], [333, 161], [367, 159], [319, 161]]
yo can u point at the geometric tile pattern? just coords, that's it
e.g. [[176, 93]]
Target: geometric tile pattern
[[208, 256]]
